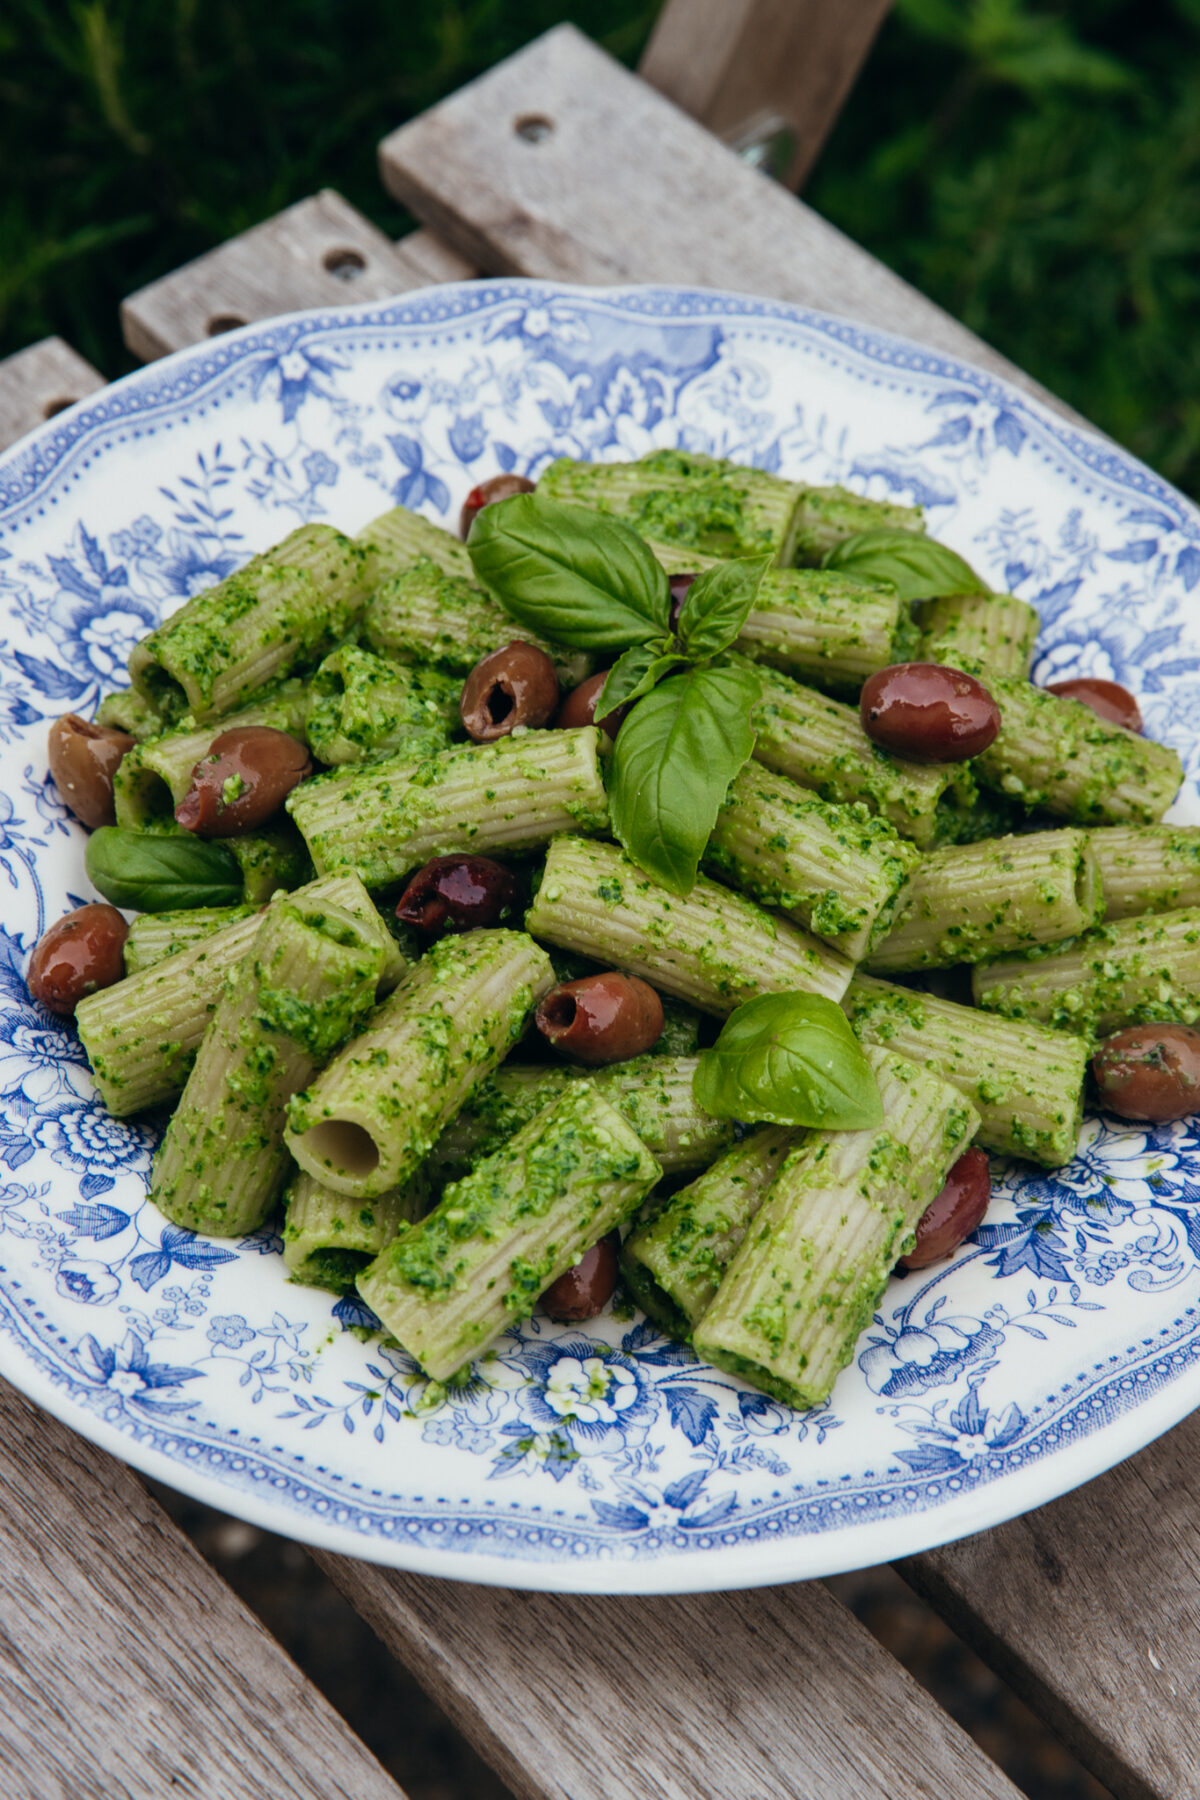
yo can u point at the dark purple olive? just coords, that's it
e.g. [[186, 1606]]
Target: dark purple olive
[[579, 707], [496, 487], [243, 781], [460, 893], [601, 1018], [954, 1214], [513, 686], [1150, 1072], [76, 957], [679, 585], [84, 757], [927, 713], [586, 1289], [1107, 699]]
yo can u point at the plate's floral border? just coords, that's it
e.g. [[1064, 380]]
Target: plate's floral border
[[561, 1444]]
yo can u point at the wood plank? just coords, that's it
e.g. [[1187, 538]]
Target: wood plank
[[745, 68], [319, 252], [127, 1668], [437, 260], [1090, 1610], [559, 163], [38, 382], [733, 1696]]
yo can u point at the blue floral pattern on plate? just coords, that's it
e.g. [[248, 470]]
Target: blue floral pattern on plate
[[1064, 1335]]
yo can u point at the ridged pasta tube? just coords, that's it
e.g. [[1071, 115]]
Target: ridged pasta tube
[[371, 1118], [811, 1269], [142, 1034], [1147, 868], [1025, 1082], [365, 705], [130, 711], [827, 516], [328, 1239], [284, 608], [970, 902], [390, 817], [820, 744], [496, 1240], [673, 1265], [823, 627], [306, 981], [399, 538], [425, 614], [836, 870], [155, 936], [713, 948], [152, 779], [997, 630], [1129, 972]]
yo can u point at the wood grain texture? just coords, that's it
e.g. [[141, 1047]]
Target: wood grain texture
[[559, 163], [128, 1670], [1090, 1610], [777, 1692], [436, 260], [737, 64], [39, 382], [320, 252]]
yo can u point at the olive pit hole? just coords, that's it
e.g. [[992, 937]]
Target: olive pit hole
[[343, 1146], [499, 704], [558, 1011]]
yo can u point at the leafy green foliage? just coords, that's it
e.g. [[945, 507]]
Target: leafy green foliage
[[919, 568], [717, 605], [159, 872], [789, 1059]]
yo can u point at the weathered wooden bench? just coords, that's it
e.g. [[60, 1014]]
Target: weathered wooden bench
[[127, 1667]]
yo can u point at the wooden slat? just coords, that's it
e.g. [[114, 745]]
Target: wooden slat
[[739, 65], [128, 1670], [39, 382], [730, 1696], [320, 252], [559, 163], [435, 259], [1090, 1609]]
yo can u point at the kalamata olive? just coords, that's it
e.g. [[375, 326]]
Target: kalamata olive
[[601, 1018], [586, 1289], [928, 713], [243, 781], [1150, 1072], [679, 585], [83, 760], [954, 1214], [460, 893], [579, 707], [1107, 699], [513, 686], [497, 487], [76, 957]]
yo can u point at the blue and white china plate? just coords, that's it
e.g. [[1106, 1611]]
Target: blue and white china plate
[[1063, 1337]]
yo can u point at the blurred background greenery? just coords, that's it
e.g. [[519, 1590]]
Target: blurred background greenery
[[1032, 165]]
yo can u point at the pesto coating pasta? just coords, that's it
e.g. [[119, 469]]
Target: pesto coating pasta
[[284, 608], [328, 1240], [399, 538], [391, 816], [427, 615], [153, 778], [810, 1270], [155, 936], [1129, 972], [827, 516], [997, 630], [970, 902], [836, 870], [713, 947], [305, 982], [822, 626], [447, 1287], [127, 710], [364, 705], [371, 1118], [1147, 868], [1025, 1082]]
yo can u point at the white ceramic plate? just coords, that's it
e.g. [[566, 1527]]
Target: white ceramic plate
[[1063, 1337]]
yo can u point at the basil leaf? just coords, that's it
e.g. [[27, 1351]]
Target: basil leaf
[[147, 871], [717, 605], [919, 568], [634, 674], [570, 574], [790, 1059], [673, 760]]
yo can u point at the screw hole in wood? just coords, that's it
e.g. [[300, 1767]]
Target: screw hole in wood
[[347, 265], [533, 127], [224, 322], [56, 406]]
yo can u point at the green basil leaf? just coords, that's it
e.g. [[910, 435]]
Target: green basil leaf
[[789, 1059], [570, 574], [919, 568], [672, 763], [145, 871], [717, 605], [635, 672]]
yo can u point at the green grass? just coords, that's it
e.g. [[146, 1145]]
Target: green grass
[[1035, 167]]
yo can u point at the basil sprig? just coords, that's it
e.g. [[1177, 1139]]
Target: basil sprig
[[145, 871], [919, 568], [789, 1059], [579, 578]]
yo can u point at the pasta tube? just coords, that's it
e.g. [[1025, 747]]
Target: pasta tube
[[428, 615], [997, 630], [328, 1240], [446, 1288], [1147, 868], [397, 539], [363, 705], [152, 779], [823, 627], [155, 936]]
